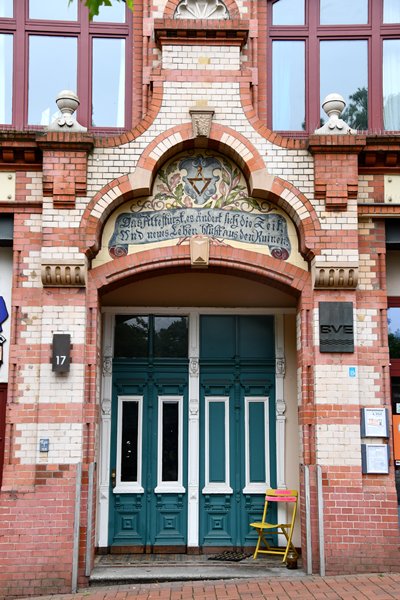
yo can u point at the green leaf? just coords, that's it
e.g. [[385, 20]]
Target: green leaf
[[179, 192], [95, 5]]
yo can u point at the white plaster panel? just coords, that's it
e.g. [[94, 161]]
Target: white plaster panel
[[65, 443], [64, 319], [333, 385], [338, 445]]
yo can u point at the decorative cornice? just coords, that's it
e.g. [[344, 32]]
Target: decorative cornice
[[19, 151], [335, 275], [379, 210], [209, 31], [71, 273], [65, 141]]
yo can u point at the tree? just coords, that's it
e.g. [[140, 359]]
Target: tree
[[356, 113], [94, 5]]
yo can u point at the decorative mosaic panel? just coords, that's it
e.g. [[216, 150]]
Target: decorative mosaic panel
[[199, 194]]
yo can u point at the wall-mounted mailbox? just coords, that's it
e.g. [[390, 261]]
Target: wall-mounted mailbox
[[336, 327], [61, 358]]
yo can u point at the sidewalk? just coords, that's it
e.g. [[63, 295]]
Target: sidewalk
[[346, 587]]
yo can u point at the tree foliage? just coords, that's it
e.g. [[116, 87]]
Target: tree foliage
[[95, 5], [356, 113]]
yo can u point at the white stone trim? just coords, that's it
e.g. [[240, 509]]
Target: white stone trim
[[220, 487], [259, 487], [164, 487], [131, 487], [105, 432]]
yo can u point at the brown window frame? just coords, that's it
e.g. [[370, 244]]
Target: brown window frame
[[394, 302], [312, 33], [21, 27]]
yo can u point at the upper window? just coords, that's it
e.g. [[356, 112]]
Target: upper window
[[49, 45], [320, 47]]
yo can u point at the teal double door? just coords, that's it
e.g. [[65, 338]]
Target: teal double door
[[193, 442]]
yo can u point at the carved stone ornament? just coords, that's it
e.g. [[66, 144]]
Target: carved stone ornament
[[334, 105], [201, 121], [280, 367], [194, 366], [193, 408], [67, 102], [201, 9], [106, 406], [107, 365], [59, 274], [280, 408], [199, 251], [335, 276]]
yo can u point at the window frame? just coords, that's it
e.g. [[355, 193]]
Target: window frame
[[394, 302], [21, 27], [312, 33]]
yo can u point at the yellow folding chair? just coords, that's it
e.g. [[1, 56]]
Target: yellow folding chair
[[264, 528]]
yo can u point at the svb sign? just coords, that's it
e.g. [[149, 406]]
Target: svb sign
[[336, 327]]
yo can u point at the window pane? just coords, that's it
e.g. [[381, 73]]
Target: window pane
[[6, 9], [108, 89], [170, 337], [129, 441], [131, 336], [256, 433], [288, 12], [394, 332], [6, 69], [351, 83], [391, 85], [391, 11], [217, 442], [46, 54], [111, 14], [170, 444], [53, 10], [343, 12], [288, 86]]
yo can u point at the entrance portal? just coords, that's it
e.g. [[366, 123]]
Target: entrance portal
[[156, 456]]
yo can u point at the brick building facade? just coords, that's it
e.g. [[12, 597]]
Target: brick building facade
[[221, 290]]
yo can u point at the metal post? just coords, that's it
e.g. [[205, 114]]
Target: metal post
[[75, 550], [89, 518], [321, 536], [308, 519]]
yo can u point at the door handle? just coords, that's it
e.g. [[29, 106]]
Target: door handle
[[113, 478]]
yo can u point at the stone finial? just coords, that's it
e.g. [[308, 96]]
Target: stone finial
[[67, 102], [334, 105]]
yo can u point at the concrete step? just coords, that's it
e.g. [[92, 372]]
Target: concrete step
[[123, 569]]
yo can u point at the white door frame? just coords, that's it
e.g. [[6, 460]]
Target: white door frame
[[194, 399]]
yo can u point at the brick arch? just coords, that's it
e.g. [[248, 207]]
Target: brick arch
[[223, 259], [223, 140], [171, 6]]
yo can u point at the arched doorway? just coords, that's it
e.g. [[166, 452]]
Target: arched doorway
[[203, 402], [196, 380]]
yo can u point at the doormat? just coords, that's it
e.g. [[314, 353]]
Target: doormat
[[230, 556]]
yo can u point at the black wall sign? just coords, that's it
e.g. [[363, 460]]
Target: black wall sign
[[61, 358], [336, 328]]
